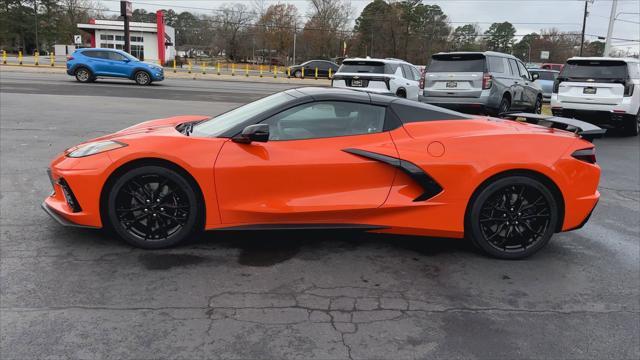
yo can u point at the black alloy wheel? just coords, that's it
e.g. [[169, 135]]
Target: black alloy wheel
[[537, 108], [505, 105], [513, 217], [153, 207]]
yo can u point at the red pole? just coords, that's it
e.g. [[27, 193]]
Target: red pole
[[160, 25]]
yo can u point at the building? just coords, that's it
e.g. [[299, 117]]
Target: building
[[149, 41]]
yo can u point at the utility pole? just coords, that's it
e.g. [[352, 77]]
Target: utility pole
[[126, 11], [584, 23], [295, 33], [612, 18]]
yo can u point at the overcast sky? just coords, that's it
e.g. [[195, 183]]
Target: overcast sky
[[526, 15]]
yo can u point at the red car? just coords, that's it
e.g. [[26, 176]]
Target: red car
[[316, 158]]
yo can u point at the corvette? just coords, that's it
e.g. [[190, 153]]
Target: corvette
[[318, 158]]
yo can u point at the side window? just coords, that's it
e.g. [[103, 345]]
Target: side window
[[326, 119], [523, 71], [115, 56], [412, 111], [514, 68], [406, 70], [416, 73], [91, 54], [496, 64]]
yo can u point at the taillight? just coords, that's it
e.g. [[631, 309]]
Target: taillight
[[628, 87], [586, 155], [487, 81]]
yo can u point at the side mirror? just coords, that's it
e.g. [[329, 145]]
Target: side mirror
[[535, 76], [257, 132]]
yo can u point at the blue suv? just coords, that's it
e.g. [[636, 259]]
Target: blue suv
[[88, 64]]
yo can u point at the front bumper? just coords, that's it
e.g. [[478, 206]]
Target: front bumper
[[60, 218]]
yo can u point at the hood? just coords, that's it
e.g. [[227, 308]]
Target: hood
[[153, 125]]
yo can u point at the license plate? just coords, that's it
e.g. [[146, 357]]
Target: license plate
[[356, 83], [589, 90], [452, 84]]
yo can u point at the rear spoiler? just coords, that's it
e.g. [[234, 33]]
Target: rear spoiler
[[586, 130]]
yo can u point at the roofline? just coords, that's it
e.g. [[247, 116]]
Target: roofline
[[625, 59]]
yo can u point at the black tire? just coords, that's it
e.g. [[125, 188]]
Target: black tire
[[153, 207], [84, 75], [505, 105], [142, 78], [632, 126], [537, 107], [401, 94], [512, 217]]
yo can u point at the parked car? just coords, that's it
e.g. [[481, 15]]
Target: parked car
[[487, 82], [545, 79], [317, 158], [310, 68], [385, 76], [600, 90], [550, 66], [90, 63]]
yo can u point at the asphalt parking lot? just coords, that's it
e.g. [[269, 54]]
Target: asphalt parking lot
[[72, 293]]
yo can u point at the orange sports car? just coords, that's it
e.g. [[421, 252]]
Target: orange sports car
[[316, 158]]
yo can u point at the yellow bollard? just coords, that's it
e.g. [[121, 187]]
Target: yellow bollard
[[275, 71], [330, 73], [52, 58], [288, 73], [260, 66], [218, 67], [233, 69], [4, 57], [19, 57], [302, 77], [174, 64], [316, 73], [204, 68], [246, 70], [190, 66], [37, 58]]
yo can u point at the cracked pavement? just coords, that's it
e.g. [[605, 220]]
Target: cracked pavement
[[81, 294]]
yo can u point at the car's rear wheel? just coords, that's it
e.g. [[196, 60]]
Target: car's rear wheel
[[84, 75], [512, 217], [537, 108], [632, 126], [505, 105], [153, 207], [401, 93], [142, 78], [297, 74]]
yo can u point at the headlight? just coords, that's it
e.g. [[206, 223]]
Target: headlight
[[93, 148]]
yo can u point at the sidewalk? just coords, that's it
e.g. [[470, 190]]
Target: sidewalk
[[183, 74]]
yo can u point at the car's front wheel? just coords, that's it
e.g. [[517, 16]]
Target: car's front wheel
[[512, 217], [537, 108], [153, 207], [142, 78]]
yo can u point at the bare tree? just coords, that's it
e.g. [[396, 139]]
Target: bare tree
[[326, 28], [230, 21]]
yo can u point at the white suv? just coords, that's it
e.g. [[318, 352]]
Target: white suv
[[385, 76], [601, 90]]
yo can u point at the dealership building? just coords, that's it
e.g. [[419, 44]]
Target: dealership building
[[149, 41]]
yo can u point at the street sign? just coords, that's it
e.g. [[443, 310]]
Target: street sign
[[126, 9], [544, 55], [77, 39]]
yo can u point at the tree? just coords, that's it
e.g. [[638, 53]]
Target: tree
[[594, 48], [464, 38], [278, 24], [324, 32], [500, 36], [231, 19]]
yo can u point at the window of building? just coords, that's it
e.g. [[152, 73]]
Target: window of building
[[136, 39], [106, 46], [119, 37], [106, 37], [120, 46], [138, 51]]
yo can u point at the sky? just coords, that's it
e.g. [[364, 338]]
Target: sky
[[526, 15]]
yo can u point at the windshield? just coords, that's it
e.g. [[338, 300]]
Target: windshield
[[374, 67], [457, 63], [221, 123], [595, 69], [545, 75]]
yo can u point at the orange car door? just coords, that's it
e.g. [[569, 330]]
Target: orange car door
[[303, 173]]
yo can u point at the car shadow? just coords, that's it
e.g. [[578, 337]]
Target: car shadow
[[268, 248]]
